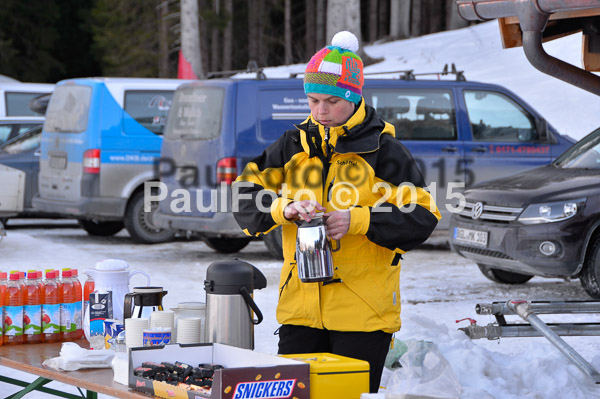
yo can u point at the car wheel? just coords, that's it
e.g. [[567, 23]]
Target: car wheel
[[226, 245], [101, 229], [273, 242], [502, 276], [590, 274], [4, 221], [139, 223]]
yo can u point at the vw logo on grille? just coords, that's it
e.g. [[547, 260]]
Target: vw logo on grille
[[477, 210]]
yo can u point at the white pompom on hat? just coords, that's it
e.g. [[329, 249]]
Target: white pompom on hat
[[345, 40], [337, 69]]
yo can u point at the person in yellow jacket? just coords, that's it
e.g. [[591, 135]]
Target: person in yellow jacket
[[343, 160]]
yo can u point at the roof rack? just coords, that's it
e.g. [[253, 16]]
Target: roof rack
[[251, 68], [409, 75]]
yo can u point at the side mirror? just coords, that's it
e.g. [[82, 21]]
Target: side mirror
[[545, 135]]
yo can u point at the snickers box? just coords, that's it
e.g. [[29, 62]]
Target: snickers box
[[245, 373]]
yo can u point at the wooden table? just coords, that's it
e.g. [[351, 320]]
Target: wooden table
[[29, 358]]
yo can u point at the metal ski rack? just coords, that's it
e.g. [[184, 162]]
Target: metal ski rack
[[251, 68], [529, 311], [410, 75]]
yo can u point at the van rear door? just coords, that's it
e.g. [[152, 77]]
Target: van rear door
[[196, 138], [64, 141]]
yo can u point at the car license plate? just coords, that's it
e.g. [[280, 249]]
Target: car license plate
[[58, 162], [473, 237]]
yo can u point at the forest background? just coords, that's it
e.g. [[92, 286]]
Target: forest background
[[51, 40]]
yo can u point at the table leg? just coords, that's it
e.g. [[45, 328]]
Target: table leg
[[38, 385]]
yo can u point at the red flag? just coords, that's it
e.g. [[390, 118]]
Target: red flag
[[184, 68]]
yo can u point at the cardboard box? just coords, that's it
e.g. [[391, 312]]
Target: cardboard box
[[334, 376], [247, 374]]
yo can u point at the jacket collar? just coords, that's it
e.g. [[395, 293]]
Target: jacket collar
[[360, 134]]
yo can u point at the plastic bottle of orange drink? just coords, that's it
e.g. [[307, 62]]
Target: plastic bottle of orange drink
[[13, 311], [32, 310], [2, 293], [88, 288], [51, 309], [78, 291], [67, 311]]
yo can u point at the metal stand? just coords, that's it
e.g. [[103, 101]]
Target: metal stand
[[38, 385], [528, 311]]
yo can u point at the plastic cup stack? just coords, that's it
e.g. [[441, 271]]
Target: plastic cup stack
[[134, 332], [189, 330], [162, 319]]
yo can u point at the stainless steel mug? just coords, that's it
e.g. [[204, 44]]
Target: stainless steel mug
[[313, 251]]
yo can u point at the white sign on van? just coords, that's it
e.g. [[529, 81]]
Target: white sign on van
[[291, 109]]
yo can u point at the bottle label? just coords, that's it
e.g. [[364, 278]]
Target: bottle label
[[13, 320], [67, 319], [32, 319], [51, 319], [78, 315]]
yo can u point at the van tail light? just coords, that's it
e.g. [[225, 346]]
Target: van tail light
[[91, 161], [226, 170]]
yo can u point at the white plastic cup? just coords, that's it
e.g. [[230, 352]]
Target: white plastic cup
[[189, 330], [134, 332]]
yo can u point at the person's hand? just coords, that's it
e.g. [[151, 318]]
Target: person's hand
[[305, 210], [338, 223]]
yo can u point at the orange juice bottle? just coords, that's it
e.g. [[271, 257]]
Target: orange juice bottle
[[88, 288], [32, 310], [51, 309], [13, 311], [42, 286], [67, 310], [2, 293], [78, 290]]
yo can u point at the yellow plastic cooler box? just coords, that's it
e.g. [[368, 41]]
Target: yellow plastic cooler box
[[334, 376]]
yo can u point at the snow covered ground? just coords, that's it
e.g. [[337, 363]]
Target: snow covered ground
[[438, 287]]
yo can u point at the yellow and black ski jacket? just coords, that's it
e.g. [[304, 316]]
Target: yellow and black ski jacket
[[360, 167]]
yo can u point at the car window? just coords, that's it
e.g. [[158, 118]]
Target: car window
[[495, 117], [196, 113], [68, 109], [29, 140], [5, 131], [584, 154], [149, 108], [279, 109], [416, 114], [17, 103]]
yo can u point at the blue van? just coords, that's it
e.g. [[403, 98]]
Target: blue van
[[100, 141], [459, 132]]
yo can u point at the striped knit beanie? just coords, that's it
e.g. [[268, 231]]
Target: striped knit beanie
[[336, 69]]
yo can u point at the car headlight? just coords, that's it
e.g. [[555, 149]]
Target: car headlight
[[551, 211]]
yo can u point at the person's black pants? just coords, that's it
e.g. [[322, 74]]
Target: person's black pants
[[369, 346]]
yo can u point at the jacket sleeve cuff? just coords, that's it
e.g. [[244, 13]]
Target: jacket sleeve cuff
[[360, 217], [277, 208]]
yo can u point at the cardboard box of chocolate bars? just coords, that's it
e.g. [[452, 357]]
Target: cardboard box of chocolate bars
[[246, 374]]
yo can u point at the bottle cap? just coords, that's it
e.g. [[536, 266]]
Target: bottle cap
[[74, 273], [32, 274], [3, 274], [66, 273], [14, 276], [50, 274]]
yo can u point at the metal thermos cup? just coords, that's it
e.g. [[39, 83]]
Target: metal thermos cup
[[229, 304], [313, 251]]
